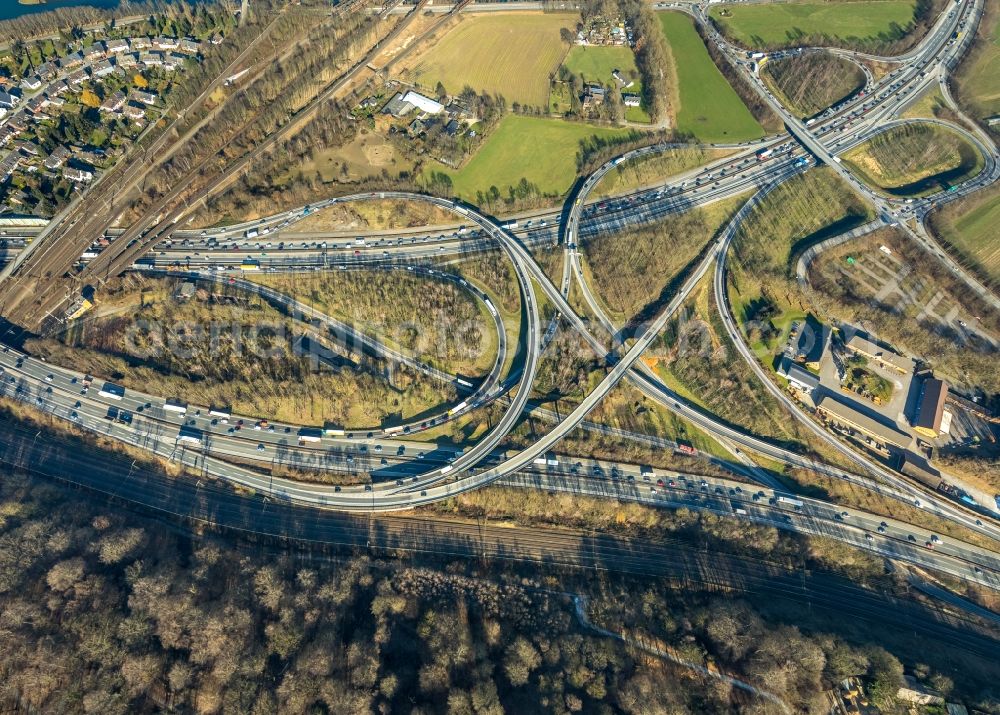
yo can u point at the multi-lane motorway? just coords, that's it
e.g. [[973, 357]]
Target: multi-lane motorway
[[210, 447]]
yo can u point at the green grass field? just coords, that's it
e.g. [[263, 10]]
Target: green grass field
[[978, 79], [541, 150], [595, 64], [504, 53], [970, 225], [783, 24], [709, 108]]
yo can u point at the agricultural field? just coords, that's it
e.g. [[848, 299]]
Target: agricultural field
[[788, 24], [707, 106], [596, 63], [543, 151], [510, 54], [915, 159], [811, 82], [977, 78], [969, 226], [649, 170]]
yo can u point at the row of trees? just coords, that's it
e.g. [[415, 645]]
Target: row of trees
[[651, 57]]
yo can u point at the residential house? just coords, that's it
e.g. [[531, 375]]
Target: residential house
[[134, 112], [416, 127], [396, 107], [621, 80], [9, 164], [812, 340], [57, 88], [165, 43], [137, 44], [57, 158], [116, 47], [127, 60], [51, 101], [27, 148], [31, 83], [114, 102], [144, 97], [18, 120], [94, 52], [77, 78], [91, 156], [102, 68], [79, 176], [456, 110], [70, 61], [189, 47], [216, 39], [35, 106], [46, 71], [593, 96], [7, 133], [8, 100], [173, 61], [797, 376], [151, 59], [631, 100]]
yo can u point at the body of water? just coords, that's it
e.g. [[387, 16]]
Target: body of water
[[12, 8]]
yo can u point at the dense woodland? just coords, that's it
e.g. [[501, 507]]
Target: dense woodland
[[108, 612]]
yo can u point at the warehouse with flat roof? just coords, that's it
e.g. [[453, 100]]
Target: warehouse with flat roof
[[883, 356], [930, 407], [846, 415]]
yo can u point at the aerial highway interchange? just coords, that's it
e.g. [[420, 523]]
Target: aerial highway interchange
[[408, 473]]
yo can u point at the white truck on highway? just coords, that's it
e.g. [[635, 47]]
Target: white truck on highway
[[789, 501], [172, 405], [112, 391]]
